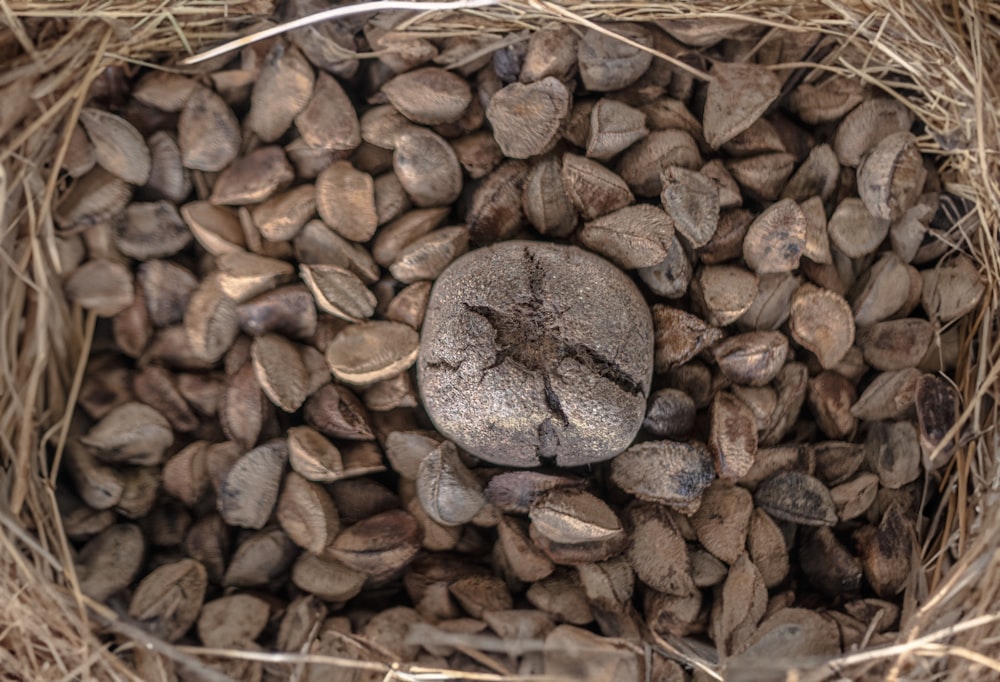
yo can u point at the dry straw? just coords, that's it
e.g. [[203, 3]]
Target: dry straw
[[938, 56]]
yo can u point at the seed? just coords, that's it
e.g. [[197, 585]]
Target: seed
[[410, 304], [92, 199], [643, 163], [250, 487], [723, 520], [391, 393], [569, 516], [328, 579], [167, 601], [339, 292], [156, 387], [854, 497], [391, 200], [952, 289], [281, 91], [831, 396], [606, 63], [937, 406], [329, 120], [496, 213], [736, 97], [633, 237], [775, 239], [233, 620], [890, 395], [891, 177], [866, 125], [767, 548], [826, 101], [102, 286], [657, 551], [168, 179], [886, 552], [243, 408], [427, 168], [379, 545], [896, 344], [561, 596], [692, 201], [828, 564], [208, 133], [216, 228], [259, 559], [614, 126], [725, 292], [764, 176], [429, 95], [796, 497], [110, 561], [150, 230], [527, 562], [118, 146], [743, 603], [671, 414], [821, 321], [667, 472], [547, 205], [365, 353], [733, 436], [448, 491], [133, 433], [753, 359], [312, 456], [527, 118], [336, 412], [307, 513], [670, 277], [680, 336], [593, 189]]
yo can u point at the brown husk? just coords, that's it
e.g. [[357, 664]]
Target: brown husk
[[937, 57]]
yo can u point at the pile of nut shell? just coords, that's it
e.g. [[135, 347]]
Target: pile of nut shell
[[250, 466]]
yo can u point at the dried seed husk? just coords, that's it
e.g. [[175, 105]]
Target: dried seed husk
[[733, 436], [166, 289], [329, 120], [727, 242], [150, 230], [606, 63], [679, 336], [671, 414], [207, 541], [253, 178], [796, 632], [391, 200], [249, 489], [738, 95], [760, 138], [796, 497], [892, 450], [391, 393], [767, 548], [776, 238], [208, 133], [667, 472], [436, 537], [312, 456], [243, 408], [216, 228], [561, 596], [515, 491], [168, 179], [891, 176], [937, 407], [448, 491], [339, 292], [827, 100], [259, 559], [724, 292], [570, 516], [345, 199], [762, 401], [107, 384], [551, 52], [836, 461], [244, 275], [670, 277], [657, 551], [378, 546], [429, 95], [118, 147], [907, 233], [110, 561], [211, 323], [316, 244], [281, 91], [99, 486], [896, 344], [167, 601], [290, 311], [164, 90], [394, 237], [280, 371], [427, 168], [93, 198], [883, 292], [496, 213], [478, 152], [282, 216], [410, 304], [827, 564], [372, 351], [890, 395], [593, 189], [336, 412], [762, 177], [771, 306], [614, 126], [80, 157], [831, 396], [527, 118], [578, 124], [854, 497], [692, 201], [526, 561], [753, 358], [643, 163], [575, 653], [870, 122], [887, 552], [546, 203], [232, 620], [633, 237], [156, 387], [952, 288], [821, 322], [743, 603], [723, 520], [405, 450], [307, 513], [185, 474], [133, 433], [381, 125], [102, 286], [817, 176], [728, 191], [478, 594], [326, 578]]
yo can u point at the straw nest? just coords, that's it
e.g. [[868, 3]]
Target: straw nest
[[938, 57]]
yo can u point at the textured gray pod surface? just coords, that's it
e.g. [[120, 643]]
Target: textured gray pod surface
[[534, 353]]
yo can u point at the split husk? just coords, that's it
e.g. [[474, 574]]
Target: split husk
[[936, 58]]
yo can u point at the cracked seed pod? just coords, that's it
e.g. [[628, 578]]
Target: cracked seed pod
[[670, 277], [478, 152], [80, 157], [570, 516], [282, 216], [733, 436], [427, 168], [796, 497], [822, 323], [680, 336], [831, 396], [449, 493], [336, 412], [216, 228], [166, 289], [737, 96], [633, 237], [551, 52], [339, 292], [243, 275], [167, 601], [243, 408], [290, 311], [381, 125], [327, 579], [742, 604], [312, 456], [890, 395], [527, 118], [513, 492], [168, 179], [527, 562], [593, 189], [409, 305], [118, 147], [208, 133], [767, 548], [429, 95], [666, 472], [211, 323], [249, 489], [772, 304]]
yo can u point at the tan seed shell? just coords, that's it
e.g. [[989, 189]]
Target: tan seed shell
[[329, 120], [168, 179], [103, 286], [892, 450], [884, 290], [249, 489], [854, 497], [80, 157], [723, 520], [372, 351], [280, 371], [828, 564], [208, 133], [118, 147], [725, 292], [551, 52], [657, 551], [679, 336], [167, 601], [281, 91], [890, 395], [547, 205], [633, 237], [243, 275], [797, 497], [338, 413], [822, 323], [92, 199], [345, 199], [448, 491], [606, 63], [326, 578], [817, 176], [952, 289], [854, 230], [643, 163], [429, 95], [593, 189], [110, 561], [868, 123], [253, 178], [164, 90], [937, 406], [259, 559], [692, 202], [339, 291], [133, 432], [527, 118], [896, 344], [410, 304], [667, 472], [776, 238], [427, 257], [887, 552], [752, 359], [307, 513], [826, 101], [614, 126], [891, 177], [282, 216], [312, 456], [150, 230], [732, 437], [216, 228], [763, 176], [379, 545], [478, 153], [767, 548], [737, 96], [830, 396], [232, 620], [570, 516], [496, 213], [427, 168], [670, 277], [289, 310]]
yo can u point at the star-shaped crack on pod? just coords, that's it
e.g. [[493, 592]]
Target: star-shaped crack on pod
[[536, 353]]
